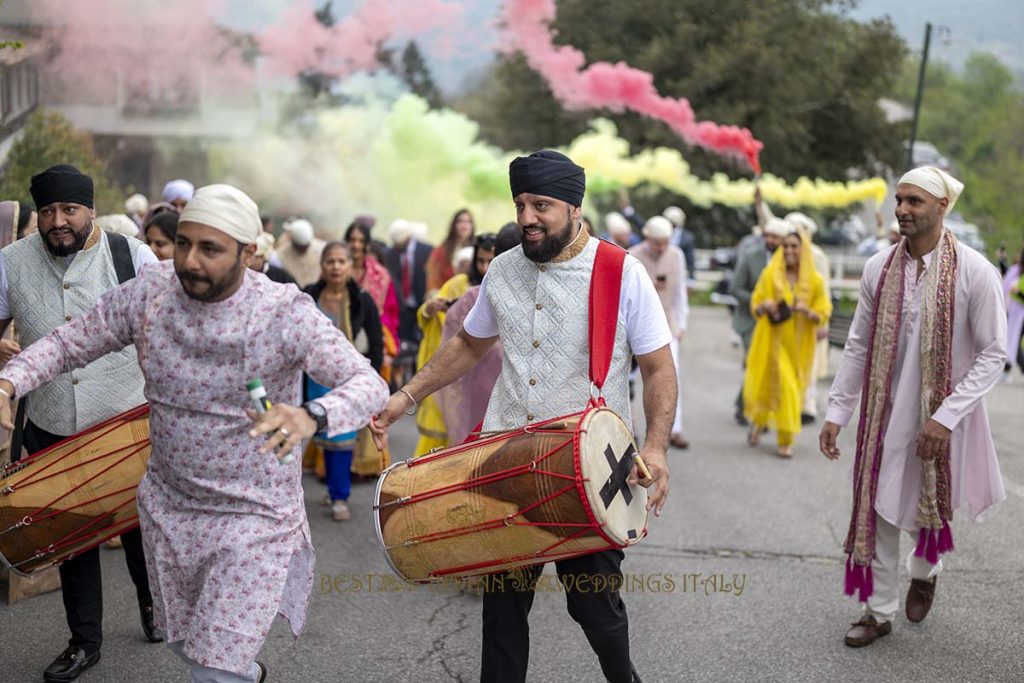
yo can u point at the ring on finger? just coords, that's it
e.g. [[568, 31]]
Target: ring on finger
[[285, 433]]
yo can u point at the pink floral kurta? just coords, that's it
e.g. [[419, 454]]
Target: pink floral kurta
[[224, 526]]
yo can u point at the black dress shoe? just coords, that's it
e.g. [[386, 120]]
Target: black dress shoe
[[807, 419], [263, 672], [153, 634], [70, 665]]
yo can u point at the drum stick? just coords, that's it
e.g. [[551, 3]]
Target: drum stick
[[642, 466]]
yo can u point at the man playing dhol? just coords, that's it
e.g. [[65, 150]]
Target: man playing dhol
[[535, 299]]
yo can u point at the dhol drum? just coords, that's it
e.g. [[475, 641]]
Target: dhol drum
[[74, 495], [548, 491]]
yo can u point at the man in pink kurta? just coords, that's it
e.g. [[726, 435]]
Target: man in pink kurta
[[978, 339], [223, 523]]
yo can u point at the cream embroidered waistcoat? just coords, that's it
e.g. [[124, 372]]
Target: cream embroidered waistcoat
[[542, 315], [43, 294]]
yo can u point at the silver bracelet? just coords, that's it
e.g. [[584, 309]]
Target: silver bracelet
[[9, 397], [411, 399]]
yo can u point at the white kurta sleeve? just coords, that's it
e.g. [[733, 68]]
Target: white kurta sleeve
[[481, 322], [641, 310], [986, 312], [846, 388]]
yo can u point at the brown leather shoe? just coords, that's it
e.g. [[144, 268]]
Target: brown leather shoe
[[866, 631], [919, 598]]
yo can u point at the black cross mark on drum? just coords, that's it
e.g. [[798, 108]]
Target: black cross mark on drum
[[620, 472]]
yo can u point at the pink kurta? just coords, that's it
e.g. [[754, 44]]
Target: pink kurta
[[224, 526], [979, 338]]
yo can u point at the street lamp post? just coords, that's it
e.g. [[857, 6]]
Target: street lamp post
[[920, 93]]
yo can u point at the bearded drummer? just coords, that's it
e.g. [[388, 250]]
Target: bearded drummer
[[224, 523], [47, 279], [535, 299]]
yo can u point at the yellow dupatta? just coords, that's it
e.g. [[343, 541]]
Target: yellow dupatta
[[429, 419], [781, 356]]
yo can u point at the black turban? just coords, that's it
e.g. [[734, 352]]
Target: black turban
[[62, 183], [550, 174]]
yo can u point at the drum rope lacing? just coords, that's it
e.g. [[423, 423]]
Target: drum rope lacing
[[76, 535], [508, 520]]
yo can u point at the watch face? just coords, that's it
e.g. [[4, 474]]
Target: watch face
[[316, 409]]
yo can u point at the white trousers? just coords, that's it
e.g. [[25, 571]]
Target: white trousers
[[207, 674], [885, 598], [677, 353], [818, 369]]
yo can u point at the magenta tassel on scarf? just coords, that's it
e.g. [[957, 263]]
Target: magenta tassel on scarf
[[931, 550], [852, 576], [859, 579], [867, 588], [946, 539], [922, 538]]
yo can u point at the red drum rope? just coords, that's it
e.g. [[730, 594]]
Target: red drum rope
[[132, 453], [525, 468]]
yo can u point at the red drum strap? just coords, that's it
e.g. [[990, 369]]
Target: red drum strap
[[605, 289]]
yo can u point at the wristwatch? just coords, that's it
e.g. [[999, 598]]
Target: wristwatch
[[318, 413]]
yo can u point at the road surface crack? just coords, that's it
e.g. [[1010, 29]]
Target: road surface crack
[[439, 645]]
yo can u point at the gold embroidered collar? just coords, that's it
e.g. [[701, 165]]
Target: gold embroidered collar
[[574, 248]]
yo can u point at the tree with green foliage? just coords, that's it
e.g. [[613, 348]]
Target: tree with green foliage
[[48, 139], [803, 76], [977, 119], [416, 74]]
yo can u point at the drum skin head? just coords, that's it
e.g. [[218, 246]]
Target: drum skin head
[[606, 458]]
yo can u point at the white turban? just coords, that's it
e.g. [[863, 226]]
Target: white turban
[[301, 231], [119, 223], [616, 224], [462, 257], [400, 231], [802, 220], [935, 182], [658, 228], [778, 227], [179, 189], [264, 244], [136, 204], [675, 214], [227, 209]]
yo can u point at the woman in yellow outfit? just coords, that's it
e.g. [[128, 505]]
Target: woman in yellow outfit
[[790, 303], [431, 315]]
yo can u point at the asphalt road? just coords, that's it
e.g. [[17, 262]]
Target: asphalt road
[[740, 579]]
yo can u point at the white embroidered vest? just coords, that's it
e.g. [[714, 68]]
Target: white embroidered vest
[[43, 294], [542, 315]]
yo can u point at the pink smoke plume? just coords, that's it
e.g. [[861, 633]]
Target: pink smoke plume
[[611, 86], [298, 42], [140, 52]]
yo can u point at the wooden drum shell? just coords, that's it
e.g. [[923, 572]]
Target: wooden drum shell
[[75, 494], [509, 500]]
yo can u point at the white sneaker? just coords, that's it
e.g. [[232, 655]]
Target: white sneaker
[[339, 511]]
